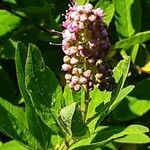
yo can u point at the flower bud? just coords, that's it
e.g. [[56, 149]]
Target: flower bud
[[83, 80], [68, 76], [74, 61], [86, 44], [77, 87], [66, 59], [75, 79], [66, 67], [87, 73]]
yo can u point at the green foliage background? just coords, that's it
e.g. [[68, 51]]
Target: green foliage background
[[32, 21]]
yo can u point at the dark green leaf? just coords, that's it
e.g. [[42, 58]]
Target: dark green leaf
[[7, 49], [34, 122], [43, 87], [14, 123], [7, 90], [36, 10]]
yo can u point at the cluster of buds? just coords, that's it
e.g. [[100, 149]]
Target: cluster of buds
[[86, 44]]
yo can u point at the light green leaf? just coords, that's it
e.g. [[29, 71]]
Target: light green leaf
[[136, 104], [70, 118], [81, 2], [12, 145], [105, 134], [134, 139], [136, 39], [121, 70], [108, 8], [97, 97], [68, 96], [123, 93], [120, 74], [8, 22], [126, 12], [43, 87]]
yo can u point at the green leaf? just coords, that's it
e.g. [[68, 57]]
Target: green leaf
[[7, 49], [70, 118], [8, 22], [108, 8], [97, 97], [136, 104], [121, 70], [113, 98], [36, 10], [136, 39], [34, 122], [14, 123], [123, 93], [43, 87], [126, 12], [12, 145], [72, 96], [105, 134], [7, 90], [81, 2], [68, 96], [134, 139]]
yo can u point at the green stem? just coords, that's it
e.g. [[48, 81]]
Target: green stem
[[86, 102]]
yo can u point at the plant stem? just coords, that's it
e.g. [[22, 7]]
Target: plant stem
[[86, 102]]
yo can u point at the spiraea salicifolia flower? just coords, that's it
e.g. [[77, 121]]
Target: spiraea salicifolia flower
[[86, 44]]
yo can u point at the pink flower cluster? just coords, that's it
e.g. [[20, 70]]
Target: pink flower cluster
[[85, 44]]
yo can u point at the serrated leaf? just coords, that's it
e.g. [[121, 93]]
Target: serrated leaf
[[8, 22], [43, 87], [126, 12], [70, 118], [135, 39], [108, 8], [12, 145], [44, 133]]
